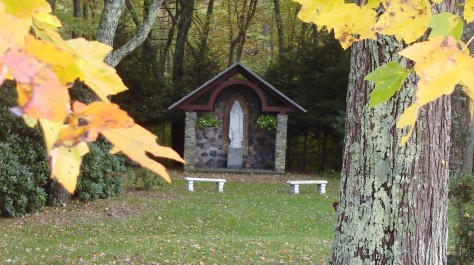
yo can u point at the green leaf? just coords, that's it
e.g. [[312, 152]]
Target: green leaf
[[445, 24], [388, 79]]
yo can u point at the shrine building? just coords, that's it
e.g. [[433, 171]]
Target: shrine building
[[236, 122]]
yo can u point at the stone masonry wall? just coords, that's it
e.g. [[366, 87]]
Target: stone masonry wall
[[280, 145], [190, 140], [209, 142]]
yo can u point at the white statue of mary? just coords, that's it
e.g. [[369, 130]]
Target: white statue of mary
[[236, 125]]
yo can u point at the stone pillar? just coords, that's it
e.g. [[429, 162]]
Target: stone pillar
[[190, 140], [280, 143]]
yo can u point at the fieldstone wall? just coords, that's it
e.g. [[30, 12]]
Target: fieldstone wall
[[280, 144], [210, 143], [190, 140]]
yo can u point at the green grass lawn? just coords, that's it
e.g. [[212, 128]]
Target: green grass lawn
[[251, 222]]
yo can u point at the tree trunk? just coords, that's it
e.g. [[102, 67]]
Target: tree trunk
[[108, 25], [52, 3], [184, 23], [201, 57], [280, 30], [243, 18], [393, 199], [77, 14], [462, 135], [205, 32]]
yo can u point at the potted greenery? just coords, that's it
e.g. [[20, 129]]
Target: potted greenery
[[207, 121], [267, 122]]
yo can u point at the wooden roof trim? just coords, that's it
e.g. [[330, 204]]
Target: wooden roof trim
[[221, 79]]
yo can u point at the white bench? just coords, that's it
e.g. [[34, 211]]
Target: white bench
[[295, 185], [219, 187]]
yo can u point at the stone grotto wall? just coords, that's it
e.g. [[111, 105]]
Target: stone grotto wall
[[211, 143]]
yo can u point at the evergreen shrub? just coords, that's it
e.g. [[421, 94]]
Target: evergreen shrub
[[461, 196], [101, 173], [23, 167]]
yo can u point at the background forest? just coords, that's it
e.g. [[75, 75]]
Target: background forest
[[165, 49], [191, 41]]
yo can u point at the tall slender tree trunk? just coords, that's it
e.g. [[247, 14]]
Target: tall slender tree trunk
[[52, 3], [77, 14], [393, 199], [462, 150], [184, 23], [280, 30]]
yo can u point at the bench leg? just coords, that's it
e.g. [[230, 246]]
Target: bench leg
[[295, 188], [220, 187], [322, 188], [190, 185]]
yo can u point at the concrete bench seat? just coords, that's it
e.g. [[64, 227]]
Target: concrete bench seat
[[219, 182], [295, 185]]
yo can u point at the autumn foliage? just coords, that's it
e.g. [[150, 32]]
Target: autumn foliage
[[442, 60], [44, 67]]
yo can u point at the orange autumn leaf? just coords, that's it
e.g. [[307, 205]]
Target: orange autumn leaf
[[48, 98], [88, 121], [136, 142]]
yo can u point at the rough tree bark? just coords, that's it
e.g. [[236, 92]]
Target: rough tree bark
[[393, 199], [462, 149], [108, 25]]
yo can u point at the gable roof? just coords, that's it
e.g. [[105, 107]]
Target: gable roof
[[221, 81]]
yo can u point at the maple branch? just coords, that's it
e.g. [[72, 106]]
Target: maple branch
[[468, 42], [114, 58]]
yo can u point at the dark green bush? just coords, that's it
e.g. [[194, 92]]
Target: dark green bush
[[101, 173], [23, 167], [144, 179], [461, 196]]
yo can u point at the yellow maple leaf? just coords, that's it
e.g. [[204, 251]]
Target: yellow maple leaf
[[48, 53], [350, 22], [408, 119], [312, 10], [469, 11], [91, 69], [12, 30], [26, 8], [45, 27], [136, 142], [440, 65], [65, 162], [407, 20]]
